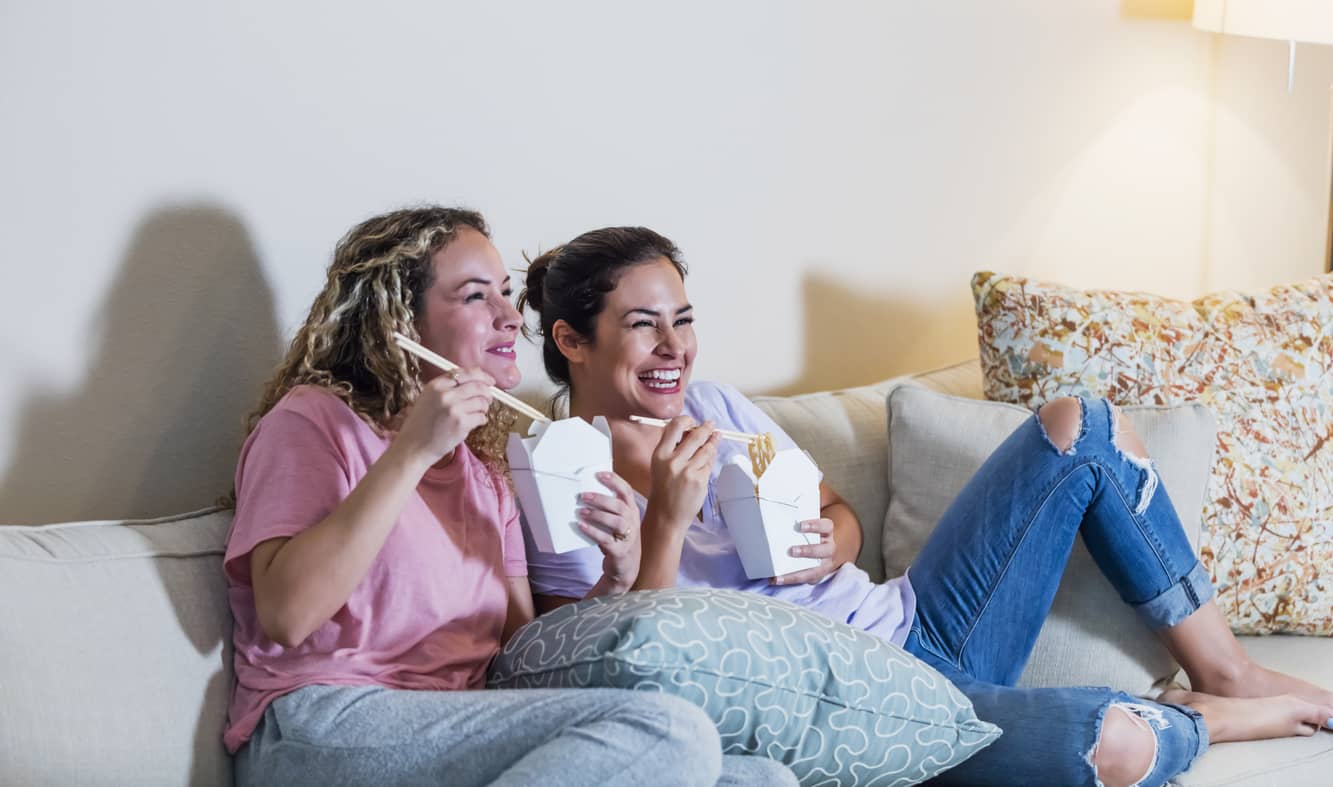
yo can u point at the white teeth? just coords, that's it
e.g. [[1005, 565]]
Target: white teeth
[[663, 374]]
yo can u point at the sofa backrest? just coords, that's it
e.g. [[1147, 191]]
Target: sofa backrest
[[115, 652], [115, 636], [847, 433]]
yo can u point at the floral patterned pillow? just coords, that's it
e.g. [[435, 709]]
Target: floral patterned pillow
[[1262, 362]]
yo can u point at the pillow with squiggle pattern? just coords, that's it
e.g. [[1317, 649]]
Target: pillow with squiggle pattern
[[837, 705]]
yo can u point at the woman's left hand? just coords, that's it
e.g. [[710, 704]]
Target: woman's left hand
[[824, 550], [613, 522]]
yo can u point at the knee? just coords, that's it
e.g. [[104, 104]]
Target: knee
[[1062, 420], [1126, 437], [1126, 749], [687, 743], [753, 771]]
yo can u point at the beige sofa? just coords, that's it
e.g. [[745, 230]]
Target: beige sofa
[[114, 636]]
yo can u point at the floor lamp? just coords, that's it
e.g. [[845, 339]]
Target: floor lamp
[[1304, 21]]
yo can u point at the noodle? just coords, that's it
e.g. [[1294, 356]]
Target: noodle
[[761, 453]]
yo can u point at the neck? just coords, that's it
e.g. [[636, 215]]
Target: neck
[[632, 443]]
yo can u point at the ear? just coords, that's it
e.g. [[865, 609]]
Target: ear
[[570, 342]]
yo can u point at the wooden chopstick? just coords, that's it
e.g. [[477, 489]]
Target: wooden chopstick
[[740, 437], [446, 365]]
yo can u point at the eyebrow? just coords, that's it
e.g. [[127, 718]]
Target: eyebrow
[[482, 282], [654, 313]]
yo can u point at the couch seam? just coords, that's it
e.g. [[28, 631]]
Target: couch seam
[[164, 520], [111, 558], [715, 673]]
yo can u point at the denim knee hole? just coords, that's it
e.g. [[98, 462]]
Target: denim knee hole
[[1149, 481], [1078, 431], [1145, 717]]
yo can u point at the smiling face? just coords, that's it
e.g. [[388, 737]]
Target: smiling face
[[642, 349], [466, 314]]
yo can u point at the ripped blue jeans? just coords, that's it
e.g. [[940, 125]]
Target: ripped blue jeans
[[986, 578]]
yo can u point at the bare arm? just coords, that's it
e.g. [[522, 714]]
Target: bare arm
[[663, 540], [839, 539], [846, 527], [300, 582], [681, 466], [606, 586], [520, 607]]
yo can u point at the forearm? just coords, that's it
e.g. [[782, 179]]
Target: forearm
[[660, 562], [608, 586], [311, 576], [520, 610], [846, 531]]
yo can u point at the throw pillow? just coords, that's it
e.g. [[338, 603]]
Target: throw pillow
[[1262, 362], [837, 705], [1091, 638]]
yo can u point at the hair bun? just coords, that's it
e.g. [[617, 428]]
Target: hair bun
[[533, 294]]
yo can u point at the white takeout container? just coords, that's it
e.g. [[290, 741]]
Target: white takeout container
[[765, 516], [550, 468]]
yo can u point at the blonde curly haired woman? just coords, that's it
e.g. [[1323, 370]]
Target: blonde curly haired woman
[[375, 563]]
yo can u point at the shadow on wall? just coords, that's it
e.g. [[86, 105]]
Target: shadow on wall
[[181, 346], [855, 337]]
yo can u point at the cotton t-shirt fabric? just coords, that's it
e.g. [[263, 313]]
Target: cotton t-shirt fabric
[[429, 612], [709, 557]]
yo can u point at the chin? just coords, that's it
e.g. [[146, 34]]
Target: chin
[[506, 376], [664, 407]]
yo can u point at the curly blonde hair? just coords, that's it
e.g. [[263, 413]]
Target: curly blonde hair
[[375, 286]]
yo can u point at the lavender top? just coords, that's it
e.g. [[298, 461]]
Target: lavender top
[[709, 557]]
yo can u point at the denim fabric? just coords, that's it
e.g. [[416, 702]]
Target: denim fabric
[[985, 580], [370, 735]]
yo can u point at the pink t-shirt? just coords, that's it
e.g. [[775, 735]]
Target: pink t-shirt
[[430, 611]]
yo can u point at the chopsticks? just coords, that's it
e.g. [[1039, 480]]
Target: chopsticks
[[740, 437], [523, 407], [443, 364]]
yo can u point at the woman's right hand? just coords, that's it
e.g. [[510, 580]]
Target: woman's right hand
[[448, 408], [681, 466]]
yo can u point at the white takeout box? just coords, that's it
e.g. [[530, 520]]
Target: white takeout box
[[550, 468], [766, 523]]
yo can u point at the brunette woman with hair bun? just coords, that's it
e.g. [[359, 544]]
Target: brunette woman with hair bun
[[617, 333]]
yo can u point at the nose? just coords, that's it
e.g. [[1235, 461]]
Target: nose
[[507, 318], [671, 344]]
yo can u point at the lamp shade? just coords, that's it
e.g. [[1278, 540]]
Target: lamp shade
[[1308, 21]]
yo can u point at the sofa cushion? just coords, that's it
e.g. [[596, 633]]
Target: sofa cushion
[[844, 432], [837, 705], [937, 443], [959, 379], [115, 657], [1283, 762], [1262, 361]]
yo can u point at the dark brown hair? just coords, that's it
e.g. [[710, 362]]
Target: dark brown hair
[[570, 282]]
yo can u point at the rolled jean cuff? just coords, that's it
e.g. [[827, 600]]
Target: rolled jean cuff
[[1178, 601], [1200, 728]]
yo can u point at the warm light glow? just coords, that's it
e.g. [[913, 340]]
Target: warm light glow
[[1308, 21]]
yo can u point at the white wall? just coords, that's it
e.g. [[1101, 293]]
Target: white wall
[[173, 177]]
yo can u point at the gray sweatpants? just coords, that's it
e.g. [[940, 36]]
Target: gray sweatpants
[[327, 736]]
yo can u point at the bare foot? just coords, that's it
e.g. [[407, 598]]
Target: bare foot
[[1253, 680], [1253, 719]]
